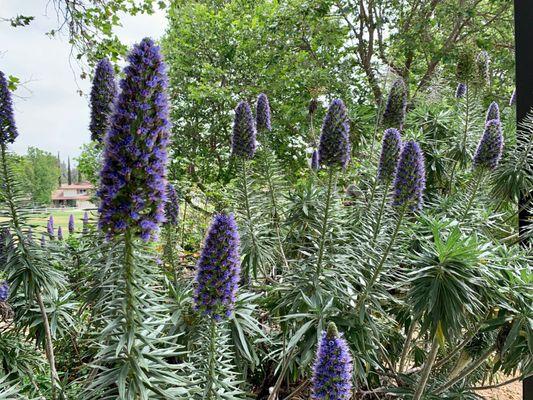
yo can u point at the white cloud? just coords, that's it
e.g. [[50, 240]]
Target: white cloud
[[49, 112]]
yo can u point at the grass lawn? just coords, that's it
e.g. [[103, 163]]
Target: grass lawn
[[60, 219]]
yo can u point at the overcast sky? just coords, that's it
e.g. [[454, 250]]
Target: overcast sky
[[49, 112]]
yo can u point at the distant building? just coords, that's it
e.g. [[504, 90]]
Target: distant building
[[76, 195]]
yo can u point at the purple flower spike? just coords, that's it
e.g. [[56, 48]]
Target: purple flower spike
[[390, 153], [490, 147], [315, 165], [262, 113], [334, 147], [172, 206], [243, 141], [218, 269], [493, 112], [332, 371], [394, 114], [8, 129], [483, 67], [4, 292], [103, 94], [43, 240], [85, 222], [410, 179], [460, 92], [132, 180], [50, 227], [59, 233], [71, 227], [512, 100]]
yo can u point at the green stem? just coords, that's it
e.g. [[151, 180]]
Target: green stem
[[248, 215], [324, 227], [477, 179], [380, 214], [274, 202], [427, 369], [49, 347], [384, 257], [183, 224], [129, 278], [209, 394]]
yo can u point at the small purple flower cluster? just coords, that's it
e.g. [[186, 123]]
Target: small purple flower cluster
[[8, 129], [410, 178], [50, 227], [59, 233], [332, 371], [172, 206], [243, 139], [103, 94], [315, 165], [4, 292], [262, 113], [132, 180], [218, 269], [460, 92], [334, 148], [490, 147], [390, 153], [395, 109], [43, 240], [71, 226], [493, 112]]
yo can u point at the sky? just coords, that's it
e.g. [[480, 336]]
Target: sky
[[49, 111]]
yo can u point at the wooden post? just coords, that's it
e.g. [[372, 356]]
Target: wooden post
[[523, 13]]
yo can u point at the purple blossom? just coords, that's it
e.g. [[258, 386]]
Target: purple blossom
[[103, 94], [4, 291], [334, 147], [50, 227], [243, 139], [410, 179], [512, 100], [490, 147], [85, 222], [43, 240], [59, 233], [460, 91], [332, 371], [394, 114], [218, 268], [8, 129], [390, 153], [315, 165], [71, 227], [493, 112], [262, 113], [132, 180], [172, 206]]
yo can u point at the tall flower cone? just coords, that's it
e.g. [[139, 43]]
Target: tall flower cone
[[8, 129], [334, 148], [410, 180], [262, 113], [103, 94], [395, 109], [243, 140]]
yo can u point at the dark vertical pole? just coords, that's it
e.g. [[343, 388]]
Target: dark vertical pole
[[523, 11]]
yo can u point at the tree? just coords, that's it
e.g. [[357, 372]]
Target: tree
[[38, 173], [89, 162]]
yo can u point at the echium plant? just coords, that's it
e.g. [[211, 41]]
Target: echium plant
[[408, 191], [103, 94], [332, 371], [133, 195], [50, 227], [262, 113], [170, 226], [71, 226], [29, 273], [493, 112], [217, 278], [390, 153], [460, 92], [333, 154], [395, 108]]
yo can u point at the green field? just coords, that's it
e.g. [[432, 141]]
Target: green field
[[60, 219]]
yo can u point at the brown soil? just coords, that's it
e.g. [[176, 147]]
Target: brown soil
[[512, 391]]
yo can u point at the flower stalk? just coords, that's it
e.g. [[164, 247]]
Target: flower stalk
[[427, 369]]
